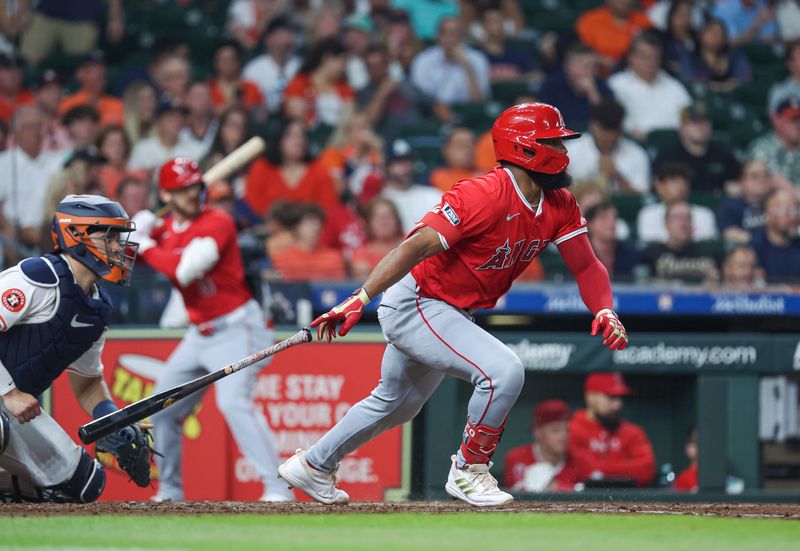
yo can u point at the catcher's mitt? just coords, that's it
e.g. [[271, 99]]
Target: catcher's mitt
[[132, 448]]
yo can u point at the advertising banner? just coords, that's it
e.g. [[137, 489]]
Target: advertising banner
[[302, 393]]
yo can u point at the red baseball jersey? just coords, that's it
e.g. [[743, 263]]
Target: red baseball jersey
[[687, 480], [625, 452], [491, 234], [222, 289], [519, 459]]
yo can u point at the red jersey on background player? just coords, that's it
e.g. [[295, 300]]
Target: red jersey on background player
[[616, 449], [545, 465], [196, 248], [464, 254]]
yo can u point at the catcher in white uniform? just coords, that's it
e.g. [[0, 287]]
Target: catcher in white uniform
[[53, 317]]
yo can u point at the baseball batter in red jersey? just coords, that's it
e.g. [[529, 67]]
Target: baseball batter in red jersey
[[196, 248], [463, 255]]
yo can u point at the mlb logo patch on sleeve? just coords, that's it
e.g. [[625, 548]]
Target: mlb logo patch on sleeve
[[13, 300], [451, 214]]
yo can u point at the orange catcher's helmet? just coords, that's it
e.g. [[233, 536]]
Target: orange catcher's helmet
[[517, 131], [179, 173]]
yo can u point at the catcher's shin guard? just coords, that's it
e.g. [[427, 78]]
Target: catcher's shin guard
[[86, 484], [480, 442]]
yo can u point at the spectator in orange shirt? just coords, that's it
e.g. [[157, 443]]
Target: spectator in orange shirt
[[319, 93], [91, 75], [306, 259], [618, 451], [12, 94], [459, 159], [289, 173], [609, 30], [384, 233], [228, 88], [115, 150], [686, 481], [546, 465]]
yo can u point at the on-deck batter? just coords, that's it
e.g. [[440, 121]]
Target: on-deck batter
[[196, 248], [463, 255]]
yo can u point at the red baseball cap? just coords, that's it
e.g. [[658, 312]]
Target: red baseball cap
[[607, 382], [550, 411]]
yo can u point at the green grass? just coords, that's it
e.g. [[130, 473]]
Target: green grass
[[407, 531]]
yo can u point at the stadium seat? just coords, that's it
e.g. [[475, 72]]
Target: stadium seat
[[658, 139], [628, 207]]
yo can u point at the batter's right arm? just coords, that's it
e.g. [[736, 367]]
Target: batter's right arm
[[420, 245]]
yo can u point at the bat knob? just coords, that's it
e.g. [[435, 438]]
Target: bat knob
[[83, 434]]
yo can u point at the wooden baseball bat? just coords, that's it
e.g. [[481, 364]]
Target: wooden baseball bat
[[235, 160], [135, 412]]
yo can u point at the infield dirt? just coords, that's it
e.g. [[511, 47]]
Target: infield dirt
[[760, 510]]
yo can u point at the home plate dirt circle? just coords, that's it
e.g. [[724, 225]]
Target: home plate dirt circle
[[737, 510]]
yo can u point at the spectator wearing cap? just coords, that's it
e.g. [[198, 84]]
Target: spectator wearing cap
[[228, 88], [91, 75], [714, 166], [780, 149], [12, 94], [741, 272], [609, 30], [412, 200], [576, 87], [200, 124], [740, 216], [277, 65], [604, 151], [618, 258], [26, 170], [426, 15], [680, 258], [47, 100], [747, 20], [357, 38], [643, 85], [150, 153], [616, 449], [384, 233], [307, 259], [80, 176], [672, 183], [319, 93], [115, 148], [716, 62], [506, 61], [777, 243], [546, 464], [388, 102], [459, 159], [71, 26], [450, 72], [289, 173]]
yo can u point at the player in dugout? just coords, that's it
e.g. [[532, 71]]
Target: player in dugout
[[462, 256], [54, 318], [546, 465], [618, 451]]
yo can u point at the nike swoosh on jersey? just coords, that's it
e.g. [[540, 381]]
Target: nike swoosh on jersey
[[76, 323], [510, 217]]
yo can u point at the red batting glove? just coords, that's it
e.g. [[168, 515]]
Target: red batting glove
[[348, 312], [614, 335]]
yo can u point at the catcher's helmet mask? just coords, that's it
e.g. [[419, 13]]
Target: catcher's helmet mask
[[77, 221]]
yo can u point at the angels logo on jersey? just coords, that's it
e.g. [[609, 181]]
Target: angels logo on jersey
[[505, 256]]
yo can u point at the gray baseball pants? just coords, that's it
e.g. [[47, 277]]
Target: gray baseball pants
[[427, 339]]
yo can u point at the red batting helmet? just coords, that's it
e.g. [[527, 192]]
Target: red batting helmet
[[179, 173], [516, 133]]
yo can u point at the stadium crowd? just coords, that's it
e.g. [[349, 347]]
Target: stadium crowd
[[372, 108]]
